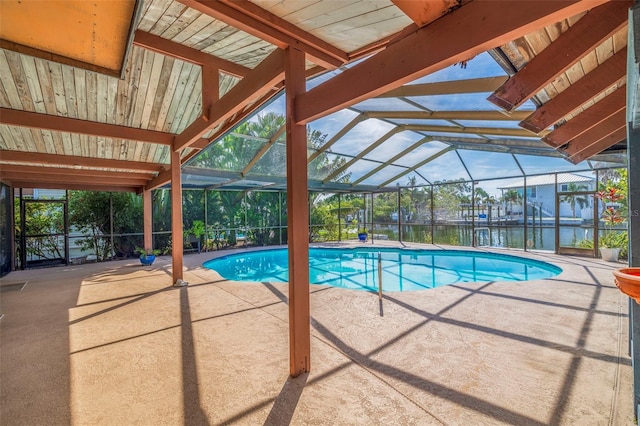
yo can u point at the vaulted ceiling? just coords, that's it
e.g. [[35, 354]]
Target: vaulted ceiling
[[181, 74]]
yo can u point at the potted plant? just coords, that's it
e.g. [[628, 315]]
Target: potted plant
[[611, 242], [192, 236], [147, 256], [362, 235]]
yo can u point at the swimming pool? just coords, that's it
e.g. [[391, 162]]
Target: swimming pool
[[402, 269]]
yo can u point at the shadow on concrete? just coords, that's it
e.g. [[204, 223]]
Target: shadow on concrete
[[193, 412], [286, 402]]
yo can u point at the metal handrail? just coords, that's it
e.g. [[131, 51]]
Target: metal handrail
[[380, 275]]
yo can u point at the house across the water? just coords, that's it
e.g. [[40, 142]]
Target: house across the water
[[541, 192]]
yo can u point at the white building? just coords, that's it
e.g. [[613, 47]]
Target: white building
[[541, 195]]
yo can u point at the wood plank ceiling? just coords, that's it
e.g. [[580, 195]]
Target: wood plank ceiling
[[196, 68]]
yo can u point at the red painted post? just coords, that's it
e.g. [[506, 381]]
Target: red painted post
[[298, 220]]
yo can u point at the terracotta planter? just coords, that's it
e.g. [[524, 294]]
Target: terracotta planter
[[628, 281]]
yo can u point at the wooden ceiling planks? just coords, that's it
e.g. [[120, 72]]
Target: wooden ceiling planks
[[446, 45], [162, 93], [579, 93], [564, 55], [347, 25], [589, 118]]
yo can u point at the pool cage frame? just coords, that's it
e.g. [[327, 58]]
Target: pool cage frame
[[472, 224]]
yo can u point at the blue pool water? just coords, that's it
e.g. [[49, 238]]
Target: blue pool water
[[402, 269]]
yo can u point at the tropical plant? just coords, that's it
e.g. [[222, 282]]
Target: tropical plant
[[448, 195], [512, 197], [91, 213], [44, 224], [147, 252], [611, 216], [197, 229], [481, 198], [245, 146], [575, 200]]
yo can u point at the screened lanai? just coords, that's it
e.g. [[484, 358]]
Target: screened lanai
[[418, 121], [435, 129]]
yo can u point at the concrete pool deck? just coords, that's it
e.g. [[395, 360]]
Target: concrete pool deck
[[115, 344]]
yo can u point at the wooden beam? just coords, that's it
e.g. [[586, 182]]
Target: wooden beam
[[297, 221], [73, 186], [177, 243], [162, 179], [258, 22], [256, 84], [39, 121], [40, 176], [188, 54], [571, 46], [458, 36], [450, 115], [588, 118], [423, 12], [200, 144], [474, 85], [316, 49], [210, 90], [73, 161], [60, 59], [147, 207], [599, 79], [380, 44], [74, 172], [229, 124], [599, 146], [612, 124]]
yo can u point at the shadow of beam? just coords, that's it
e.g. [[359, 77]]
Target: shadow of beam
[[286, 402], [193, 413], [365, 361], [508, 335], [469, 401], [571, 374], [540, 302], [130, 300]]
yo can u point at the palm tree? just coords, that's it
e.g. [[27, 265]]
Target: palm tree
[[573, 199], [512, 197], [480, 197]]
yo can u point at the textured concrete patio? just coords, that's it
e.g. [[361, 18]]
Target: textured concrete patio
[[116, 344]]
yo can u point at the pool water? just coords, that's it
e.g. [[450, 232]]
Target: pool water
[[402, 269]]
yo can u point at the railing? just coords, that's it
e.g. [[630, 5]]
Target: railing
[[380, 283]]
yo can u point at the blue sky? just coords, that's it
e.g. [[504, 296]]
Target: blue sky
[[479, 164]]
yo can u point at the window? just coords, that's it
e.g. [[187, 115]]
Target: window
[[532, 192]]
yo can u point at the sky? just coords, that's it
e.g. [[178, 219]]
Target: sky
[[463, 164]]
